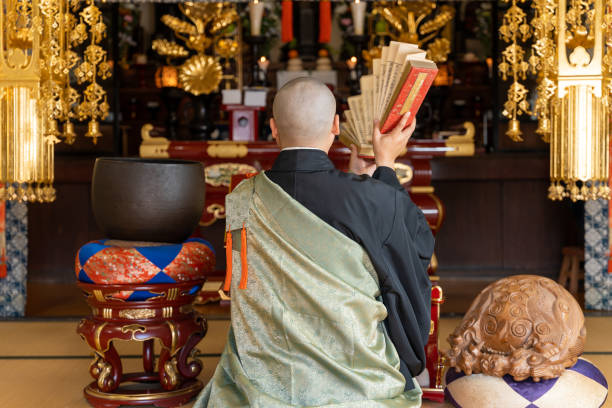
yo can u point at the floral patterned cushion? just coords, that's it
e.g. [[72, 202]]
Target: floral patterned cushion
[[101, 262]]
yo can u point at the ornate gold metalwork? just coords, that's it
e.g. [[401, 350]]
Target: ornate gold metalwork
[[418, 22], [156, 147], [167, 311], [172, 293], [227, 150], [136, 314], [403, 172], [218, 212], [171, 369], [227, 48], [462, 145], [37, 61], [579, 166], [433, 263], [107, 313], [571, 61], [169, 49], [421, 189], [200, 74], [95, 367], [133, 328], [98, 295], [207, 31], [514, 30], [104, 368], [221, 174], [97, 334], [174, 336], [542, 62]]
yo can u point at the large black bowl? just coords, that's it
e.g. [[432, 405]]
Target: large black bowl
[[153, 200]]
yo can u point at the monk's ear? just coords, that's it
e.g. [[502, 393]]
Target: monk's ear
[[274, 130], [335, 130]]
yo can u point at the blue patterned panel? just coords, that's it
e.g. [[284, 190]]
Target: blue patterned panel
[[597, 281], [13, 287]]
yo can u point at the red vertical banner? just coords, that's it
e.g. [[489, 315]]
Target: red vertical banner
[[3, 266], [287, 21], [325, 21]]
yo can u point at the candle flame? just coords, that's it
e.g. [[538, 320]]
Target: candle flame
[[263, 59], [354, 59]]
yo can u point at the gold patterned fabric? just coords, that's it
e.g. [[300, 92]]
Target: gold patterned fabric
[[308, 329]]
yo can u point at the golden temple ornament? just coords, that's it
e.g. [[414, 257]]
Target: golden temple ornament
[[418, 22], [38, 102], [200, 74], [207, 31], [571, 59]]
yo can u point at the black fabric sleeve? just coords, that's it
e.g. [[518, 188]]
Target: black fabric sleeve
[[407, 290], [387, 175]]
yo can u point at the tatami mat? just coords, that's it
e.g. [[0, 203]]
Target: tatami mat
[[45, 363]]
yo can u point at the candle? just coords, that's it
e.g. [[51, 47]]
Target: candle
[[358, 12], [263, 63], [351, 62], [490, 66], [256, 9]]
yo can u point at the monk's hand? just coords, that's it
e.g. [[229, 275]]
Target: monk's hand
[[358, 165], [388, 147]]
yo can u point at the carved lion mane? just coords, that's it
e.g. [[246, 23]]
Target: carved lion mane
[[524, 325]]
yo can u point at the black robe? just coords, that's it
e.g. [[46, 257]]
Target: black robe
[[377, 213]]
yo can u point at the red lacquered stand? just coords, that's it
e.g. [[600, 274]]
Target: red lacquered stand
[[167, 317], [224, 159]]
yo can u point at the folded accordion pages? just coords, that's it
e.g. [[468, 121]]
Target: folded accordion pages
[[398, 84]]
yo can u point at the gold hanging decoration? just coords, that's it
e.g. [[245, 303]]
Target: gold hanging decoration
[[37, 101], [515, 30], [571, 61]]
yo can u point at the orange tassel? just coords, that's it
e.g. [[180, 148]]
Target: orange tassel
[[243, 259], [287, 21], [228, 260], [325, 21]]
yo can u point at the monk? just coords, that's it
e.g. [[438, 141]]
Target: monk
[[332, 307]]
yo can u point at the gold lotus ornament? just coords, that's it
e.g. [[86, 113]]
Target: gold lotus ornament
[[227, 47], [200, 74]]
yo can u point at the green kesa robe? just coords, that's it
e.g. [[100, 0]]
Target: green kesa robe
[[308, 329]]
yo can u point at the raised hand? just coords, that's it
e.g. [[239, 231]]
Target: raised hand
[[358, 165], [388, 147]]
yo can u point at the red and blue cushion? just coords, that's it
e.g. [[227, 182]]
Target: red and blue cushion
[[102, 264], [580, 386]]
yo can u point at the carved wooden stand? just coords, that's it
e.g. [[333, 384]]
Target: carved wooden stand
[[167, 317]]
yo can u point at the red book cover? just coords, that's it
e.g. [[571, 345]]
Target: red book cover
[[415, 81]]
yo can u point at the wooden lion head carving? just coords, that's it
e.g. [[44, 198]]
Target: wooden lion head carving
[[523, 325]]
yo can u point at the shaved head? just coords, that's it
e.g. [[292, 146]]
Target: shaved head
[[304, 113]]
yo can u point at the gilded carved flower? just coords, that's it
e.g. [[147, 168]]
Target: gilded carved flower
[[200, 74]]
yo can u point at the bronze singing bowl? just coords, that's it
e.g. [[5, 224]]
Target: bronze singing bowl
[[153, 200]]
